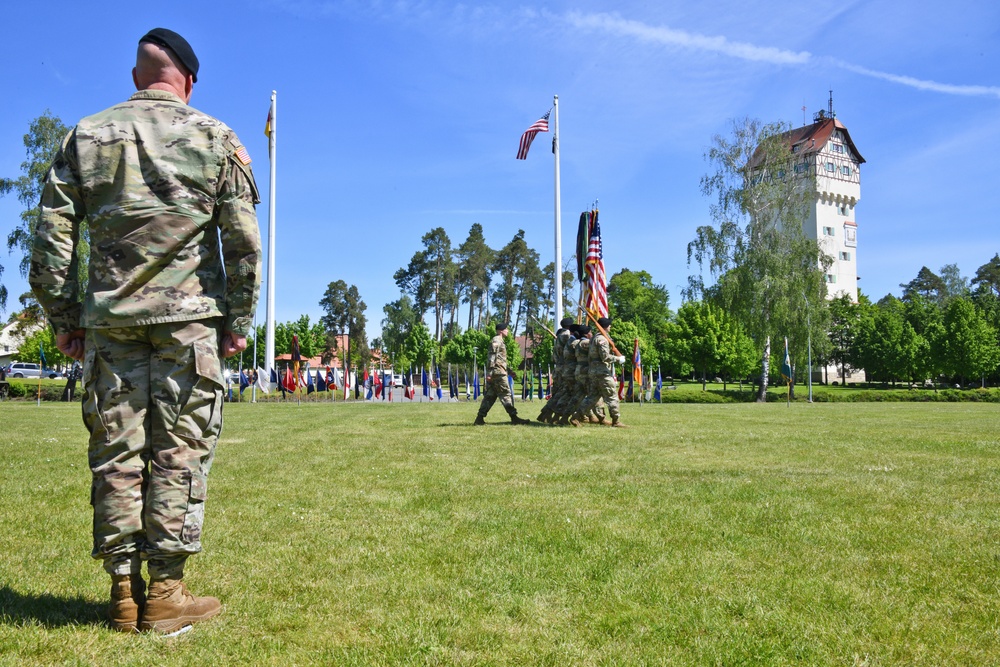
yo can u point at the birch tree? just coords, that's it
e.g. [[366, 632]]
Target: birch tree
[[766, 269]]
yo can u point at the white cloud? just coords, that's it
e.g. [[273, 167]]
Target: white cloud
[[661, 34], [671, 37], [920, 84]]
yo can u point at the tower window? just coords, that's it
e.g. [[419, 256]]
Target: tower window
[[828, 231], [845, 170], [830, 278], [842, 209], [830, 167], [845, 256]]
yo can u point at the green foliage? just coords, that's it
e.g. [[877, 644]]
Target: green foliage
[[624, 333], [475, 259], [970, 347], [987, 278], [541, 350], [634, 297], [698, 340], [345, 313], [41, 143], [768, 272], [419, 347], [466, 348], [926, 284], [42, 339], [508, 264]]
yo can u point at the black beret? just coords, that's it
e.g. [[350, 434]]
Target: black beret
[[584, 330], [502, 326], [565, 322], [169, 39], [604, 322], [560, 330]]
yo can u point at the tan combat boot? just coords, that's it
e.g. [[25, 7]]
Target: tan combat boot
[[128, 595], [170, 607]]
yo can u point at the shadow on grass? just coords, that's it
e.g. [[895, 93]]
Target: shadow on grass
[[49, 610]]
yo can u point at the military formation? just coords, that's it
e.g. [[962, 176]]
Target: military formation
[[585, 388]]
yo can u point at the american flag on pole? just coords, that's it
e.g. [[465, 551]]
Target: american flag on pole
[[540, 125], [597, 284]]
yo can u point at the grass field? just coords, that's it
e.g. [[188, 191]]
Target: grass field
[[824, 534]]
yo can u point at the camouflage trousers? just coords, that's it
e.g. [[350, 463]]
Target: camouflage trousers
[[603, 387], [558, 391], [566, 405], [497, 387], [153, 405]]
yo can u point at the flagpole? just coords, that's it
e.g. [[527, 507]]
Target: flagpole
[[558, 212], [253, 391], [272, 154]]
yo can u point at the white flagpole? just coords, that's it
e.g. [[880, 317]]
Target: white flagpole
[[558, 214], [253, 390], [271, 144]]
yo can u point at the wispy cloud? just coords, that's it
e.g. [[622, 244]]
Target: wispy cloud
[[613, 24], [920, 84], [671, 37]]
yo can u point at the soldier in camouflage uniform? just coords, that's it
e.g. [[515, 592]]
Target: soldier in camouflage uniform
[[565, 408], [497, 385], [602, 375], [549, 413], [168, 195]]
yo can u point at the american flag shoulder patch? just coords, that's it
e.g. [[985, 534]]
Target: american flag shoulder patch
[[242, 155]]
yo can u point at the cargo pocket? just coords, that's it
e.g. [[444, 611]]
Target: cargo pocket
[[200, 418], [195, 515], [90, 405]]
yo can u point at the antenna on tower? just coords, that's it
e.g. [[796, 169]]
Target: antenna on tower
[[832, 114]]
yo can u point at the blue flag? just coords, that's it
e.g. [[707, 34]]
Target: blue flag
[[541, 395], [244, 381], [659, 385], [437, 378], [475, 384], [423, 382], [321, 384], [41, 354]]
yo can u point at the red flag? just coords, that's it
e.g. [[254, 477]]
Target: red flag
[[621, 386], [289, 382]]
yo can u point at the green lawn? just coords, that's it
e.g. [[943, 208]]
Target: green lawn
[[743, 534]]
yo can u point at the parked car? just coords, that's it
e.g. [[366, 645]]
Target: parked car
[[397, 380], [21, 369]]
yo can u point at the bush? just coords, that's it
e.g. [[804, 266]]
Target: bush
[[52, 390]]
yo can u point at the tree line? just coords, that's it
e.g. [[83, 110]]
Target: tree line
[[767, 283]]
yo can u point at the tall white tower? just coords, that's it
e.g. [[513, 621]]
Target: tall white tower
[[826, 147]]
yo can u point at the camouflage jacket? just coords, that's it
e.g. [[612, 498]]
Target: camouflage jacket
[[497, 358], [559, 347], [583, 357], [601, 359], [159, 185]]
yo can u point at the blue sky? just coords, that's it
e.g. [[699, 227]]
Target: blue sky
[[397, 117]]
